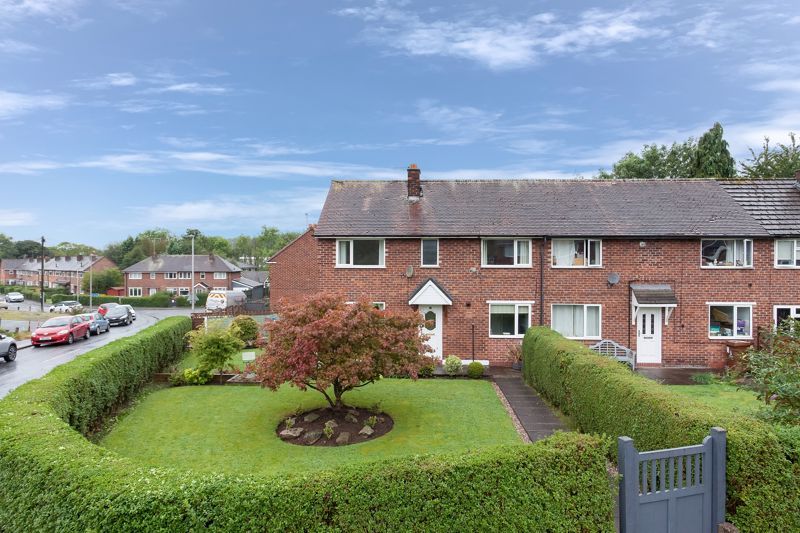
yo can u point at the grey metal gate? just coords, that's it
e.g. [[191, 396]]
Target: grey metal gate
[[677, 490]]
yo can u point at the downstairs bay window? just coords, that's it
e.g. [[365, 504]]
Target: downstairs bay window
[[509, 319], [360, 253], [576, 321], [730, 320], [786, 312]]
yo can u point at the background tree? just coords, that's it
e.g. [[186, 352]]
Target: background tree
[[73, 248], [116, 251], [7, 249], [154, 241], [781, 161], [103, 280], [325, 344], [713, 159], [29, 248], [656, 162]]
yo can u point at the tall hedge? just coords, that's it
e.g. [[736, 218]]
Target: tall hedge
[[53, 479], [603, 396]]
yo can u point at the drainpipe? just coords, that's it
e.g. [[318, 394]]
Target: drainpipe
[[630, 312], [541, 281]]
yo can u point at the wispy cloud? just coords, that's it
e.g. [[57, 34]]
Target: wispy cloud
[[189, 88], [183, 142], [146, 105], [150, 9], [15, 47], [112, 79], [14, 104], [58, 11], [16, 217]]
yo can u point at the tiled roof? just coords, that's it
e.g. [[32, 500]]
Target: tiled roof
[[654, 294], [461, 208], [774, 203], [183, 263], [70, 264]]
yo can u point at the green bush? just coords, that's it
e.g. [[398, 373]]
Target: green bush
[[191, 376], [214, 348], [245, 328], [604, 397], [160, 299], [452, 365], [54, 479], [475, 370], [427, 369]]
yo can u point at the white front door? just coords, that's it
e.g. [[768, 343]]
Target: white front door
[[433, 318], [648, 335]]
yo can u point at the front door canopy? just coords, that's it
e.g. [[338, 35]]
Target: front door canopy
[[653, 295], [430, 293]]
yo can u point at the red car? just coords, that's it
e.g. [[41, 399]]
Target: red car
[[60, 329], [103, 309]]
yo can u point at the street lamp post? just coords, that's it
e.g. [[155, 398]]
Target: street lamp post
[[192, 291], [91, 289], [41, 280]]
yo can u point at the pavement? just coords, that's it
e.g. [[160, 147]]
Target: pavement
[[32, 363], [536, 417]]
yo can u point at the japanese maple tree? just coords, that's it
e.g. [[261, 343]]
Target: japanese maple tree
[[332, 346]]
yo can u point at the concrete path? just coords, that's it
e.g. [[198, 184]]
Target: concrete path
[[536, 417]]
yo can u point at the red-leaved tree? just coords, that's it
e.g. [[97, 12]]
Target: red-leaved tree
[[325, 343]]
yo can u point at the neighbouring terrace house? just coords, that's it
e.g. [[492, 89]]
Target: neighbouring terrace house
[[173, 274], [65, 272], [681, 271]]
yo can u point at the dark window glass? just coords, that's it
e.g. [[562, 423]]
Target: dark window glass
[[499, 251], [366, 253], [430, 252]]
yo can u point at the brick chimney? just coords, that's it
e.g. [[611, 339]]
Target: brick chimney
[[414, 186]]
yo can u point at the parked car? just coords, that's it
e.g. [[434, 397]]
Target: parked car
[[8, 348], [103, 309], [131, 309], [60, 329], [97, 323], [67, 306], [3, 303], [15, 297], [119, 316]]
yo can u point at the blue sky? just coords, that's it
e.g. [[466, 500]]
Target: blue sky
[[119, 115]]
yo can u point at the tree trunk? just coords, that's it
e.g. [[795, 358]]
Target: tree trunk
[[338, 391]]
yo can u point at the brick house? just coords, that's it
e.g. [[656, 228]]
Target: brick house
[[66, 272], [682, 271], [173, 274]]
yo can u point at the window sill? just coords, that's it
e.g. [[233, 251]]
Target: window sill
[[709, 267], [731, 338], [576, 266], [506, 336], [429, 266], [506, 266], [787, 267], [360, 266]]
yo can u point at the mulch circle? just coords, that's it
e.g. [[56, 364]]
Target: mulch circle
[[351, 425]]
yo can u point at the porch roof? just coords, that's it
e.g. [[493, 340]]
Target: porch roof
[[655, 294]]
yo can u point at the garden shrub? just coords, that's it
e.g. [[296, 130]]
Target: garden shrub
[[245, 328], [214, 347], [54, 479], [427, 369], [763, 476], [191, 376], [452, 365], [475, 370]]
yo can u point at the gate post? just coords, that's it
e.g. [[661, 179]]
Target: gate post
[[718, 487], [627, 461]]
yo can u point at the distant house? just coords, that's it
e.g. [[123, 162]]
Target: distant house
[[253, 282], [65, 272], [173, 274]]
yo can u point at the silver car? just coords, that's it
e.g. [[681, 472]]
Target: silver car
[[15, 297], [8, 348], [67, 306]]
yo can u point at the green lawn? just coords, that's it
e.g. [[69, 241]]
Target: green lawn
[[722, 396], [233, 427]]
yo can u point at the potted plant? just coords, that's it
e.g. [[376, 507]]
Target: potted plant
[[515, 351]]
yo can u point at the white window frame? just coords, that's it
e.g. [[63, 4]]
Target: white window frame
[[152, 291], [172, 290], [381, 253], [736, 306], [132, 291], [586, 246], [584, 337], [170, 275], [184, 275], [219, 288], [152, 275], [422, 255], [134, 275], [736, 244], [220, 275], [184, 291], [795, 253], [794, 312], [484, 257], [202, 275], [517, 304]]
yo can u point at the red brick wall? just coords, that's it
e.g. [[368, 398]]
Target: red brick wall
[[295, 272], [161, 284]]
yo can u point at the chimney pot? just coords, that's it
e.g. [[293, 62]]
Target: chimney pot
[[414, 185]]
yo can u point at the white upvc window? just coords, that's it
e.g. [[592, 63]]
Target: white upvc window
[[787, 253], [202, 275], [509, 319], [360, 253], [172, 290], [730, 320], [577, 321], [429, 252], [380, 306], [577, 253], [726, 253], [184, 275], [134, 291], [506, 253], [785, 312], [219, 288], [152, 291], [152, 275], [170, 275], [134, 275], [220, 275], [183, 291]]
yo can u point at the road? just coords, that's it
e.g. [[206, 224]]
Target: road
[[32, 363]]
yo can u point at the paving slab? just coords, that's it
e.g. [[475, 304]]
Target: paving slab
[[536, 417]]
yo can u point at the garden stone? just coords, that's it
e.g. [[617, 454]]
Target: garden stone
[[343, 438], [310, 417], [291, 433], [366, 431], [332, 423], [352, 412], [351, 418], [312, 436]]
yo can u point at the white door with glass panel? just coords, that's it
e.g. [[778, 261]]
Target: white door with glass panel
[[648, 335], [433, 328]]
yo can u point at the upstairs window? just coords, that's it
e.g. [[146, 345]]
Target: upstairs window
[[509, 319], [506, 253], [787, 253], [220, 275], [170, 275], [727, 253], [730, 320], [430, 252], [360, 253], [135, 275], [577, 253], [184, 275]]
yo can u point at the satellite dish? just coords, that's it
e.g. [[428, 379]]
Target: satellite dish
[[409, 271], [613, 278]]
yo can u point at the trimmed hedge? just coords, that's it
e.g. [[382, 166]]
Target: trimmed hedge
[[53, 479], [161, 299], [605, 397]]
